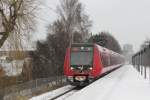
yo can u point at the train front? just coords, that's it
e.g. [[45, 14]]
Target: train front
[[78, 64]]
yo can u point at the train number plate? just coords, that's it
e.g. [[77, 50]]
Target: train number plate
[[80, 78]]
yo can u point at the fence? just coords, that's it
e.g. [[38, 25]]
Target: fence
[[141, 62], [31, 87]]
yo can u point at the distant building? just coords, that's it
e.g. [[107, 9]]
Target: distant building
[[128, 52]]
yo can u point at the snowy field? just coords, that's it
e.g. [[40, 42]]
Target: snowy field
[[123, 84]]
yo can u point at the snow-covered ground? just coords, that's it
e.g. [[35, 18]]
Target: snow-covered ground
[[12, 68], [123, 84], [147, 73], [52, 94]]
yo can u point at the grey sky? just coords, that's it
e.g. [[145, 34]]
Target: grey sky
[[127, 20]]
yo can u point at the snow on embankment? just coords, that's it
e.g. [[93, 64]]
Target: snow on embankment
[[123, 84], [51, 94]]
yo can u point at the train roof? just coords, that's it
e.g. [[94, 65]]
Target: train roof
[[94, 44], [103, 49]]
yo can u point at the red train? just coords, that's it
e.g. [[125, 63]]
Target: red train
[[86, 62]]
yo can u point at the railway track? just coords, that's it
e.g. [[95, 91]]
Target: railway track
[[66, 94], [56, 97], [70, 92]]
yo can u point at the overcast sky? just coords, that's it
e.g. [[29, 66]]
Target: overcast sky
[[127, 20]]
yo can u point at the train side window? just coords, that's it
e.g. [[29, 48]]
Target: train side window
[[104, 59]]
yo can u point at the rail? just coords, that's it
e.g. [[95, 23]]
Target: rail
[[62, 94]]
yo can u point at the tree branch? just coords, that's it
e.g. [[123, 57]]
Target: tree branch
[[2, 33], [3, 15], [2, 40]]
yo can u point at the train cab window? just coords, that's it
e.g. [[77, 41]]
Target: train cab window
[[82, 57]]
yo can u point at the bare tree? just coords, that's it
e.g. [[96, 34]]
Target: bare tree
[[17, 20], [16, 17], [73, 17]]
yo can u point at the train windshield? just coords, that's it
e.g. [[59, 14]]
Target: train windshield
[[82, 57]]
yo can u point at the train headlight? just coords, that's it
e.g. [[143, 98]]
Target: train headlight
[[72, 68], [90, 68]]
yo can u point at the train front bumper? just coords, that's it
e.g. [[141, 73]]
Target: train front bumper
[[79, 80]]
